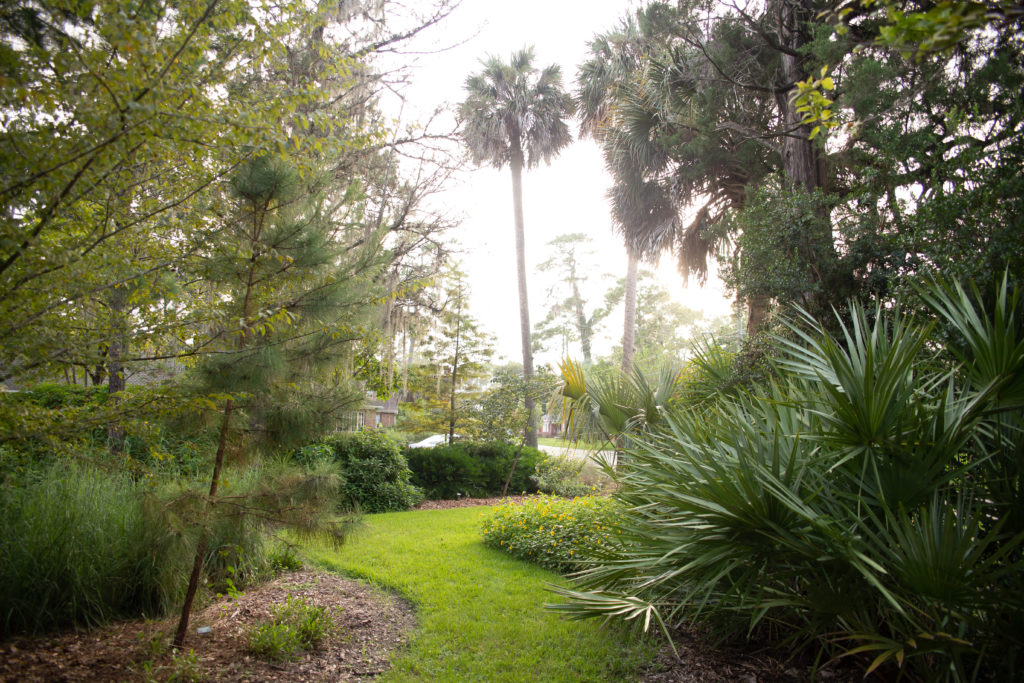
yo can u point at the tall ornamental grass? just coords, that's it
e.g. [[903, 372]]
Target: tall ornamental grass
[[866, 503], [79, 547]]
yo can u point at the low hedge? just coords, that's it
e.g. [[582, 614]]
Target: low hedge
[[555, 533], [472, 469]]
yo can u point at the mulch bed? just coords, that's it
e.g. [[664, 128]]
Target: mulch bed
[[700, 662], [373, 626]]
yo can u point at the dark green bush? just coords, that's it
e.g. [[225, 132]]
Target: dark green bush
[[445, 472], [376, 474], [472, 469]]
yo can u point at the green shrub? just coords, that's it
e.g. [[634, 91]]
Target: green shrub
[[283, 558], [472, 469], [560, 475], [53, 395], [866, 503], [445, 472], [496, 459], [295, 626], [555, 533], [375, 473]]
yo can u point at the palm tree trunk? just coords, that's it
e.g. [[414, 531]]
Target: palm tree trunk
[[524, 305], [629, 325]]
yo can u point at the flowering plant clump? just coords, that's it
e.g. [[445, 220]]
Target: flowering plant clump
[[553, 532]]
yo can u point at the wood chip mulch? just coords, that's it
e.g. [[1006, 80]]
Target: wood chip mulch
[[373, 625], [701, 662]]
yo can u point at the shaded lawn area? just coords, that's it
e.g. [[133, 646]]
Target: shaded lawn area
[[480, 614]]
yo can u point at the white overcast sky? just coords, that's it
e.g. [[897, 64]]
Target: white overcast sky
[[567, 196]]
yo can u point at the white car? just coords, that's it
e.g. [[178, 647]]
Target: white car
[[430, 441]]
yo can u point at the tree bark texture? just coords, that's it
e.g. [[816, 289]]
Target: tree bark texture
[[629, 324], [524, 305], [801, 163], [455, 370]]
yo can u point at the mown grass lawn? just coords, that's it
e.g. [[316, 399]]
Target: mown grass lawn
[[480, 614]]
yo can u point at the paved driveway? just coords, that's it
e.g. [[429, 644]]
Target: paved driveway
[[580, 453]]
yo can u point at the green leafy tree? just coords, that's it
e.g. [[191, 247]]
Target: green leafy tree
[[503, 413], [515, 114], [502, 409], [664, 328]]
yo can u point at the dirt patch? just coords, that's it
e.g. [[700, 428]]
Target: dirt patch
[[373, 625], [700, 662]]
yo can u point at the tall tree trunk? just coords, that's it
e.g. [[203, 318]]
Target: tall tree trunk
[[115, 366], [800, 157], [115, 391], [405, 358], [629, 324], [757, 311], [524, 306], [582, 324], [802, 162], [455, 370]]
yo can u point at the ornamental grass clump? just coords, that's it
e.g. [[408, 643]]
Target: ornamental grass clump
[[555, 533]]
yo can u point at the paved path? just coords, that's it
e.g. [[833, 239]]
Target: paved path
[[580, 452]]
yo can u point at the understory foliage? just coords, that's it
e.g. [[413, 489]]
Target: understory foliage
[[552, 532], [374, 472], [560, 475], [474, 470], [865, 502], [82, 546]]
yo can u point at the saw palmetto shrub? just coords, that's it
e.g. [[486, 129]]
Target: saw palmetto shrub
[[866, 503]]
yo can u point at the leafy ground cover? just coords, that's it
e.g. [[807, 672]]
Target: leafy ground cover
[[551, 532], [480, 612]]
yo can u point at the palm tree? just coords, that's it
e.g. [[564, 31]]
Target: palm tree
[[515, 114], [636, 95]]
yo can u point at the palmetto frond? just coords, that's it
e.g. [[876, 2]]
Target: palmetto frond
[[865, 499], [515, 111]]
